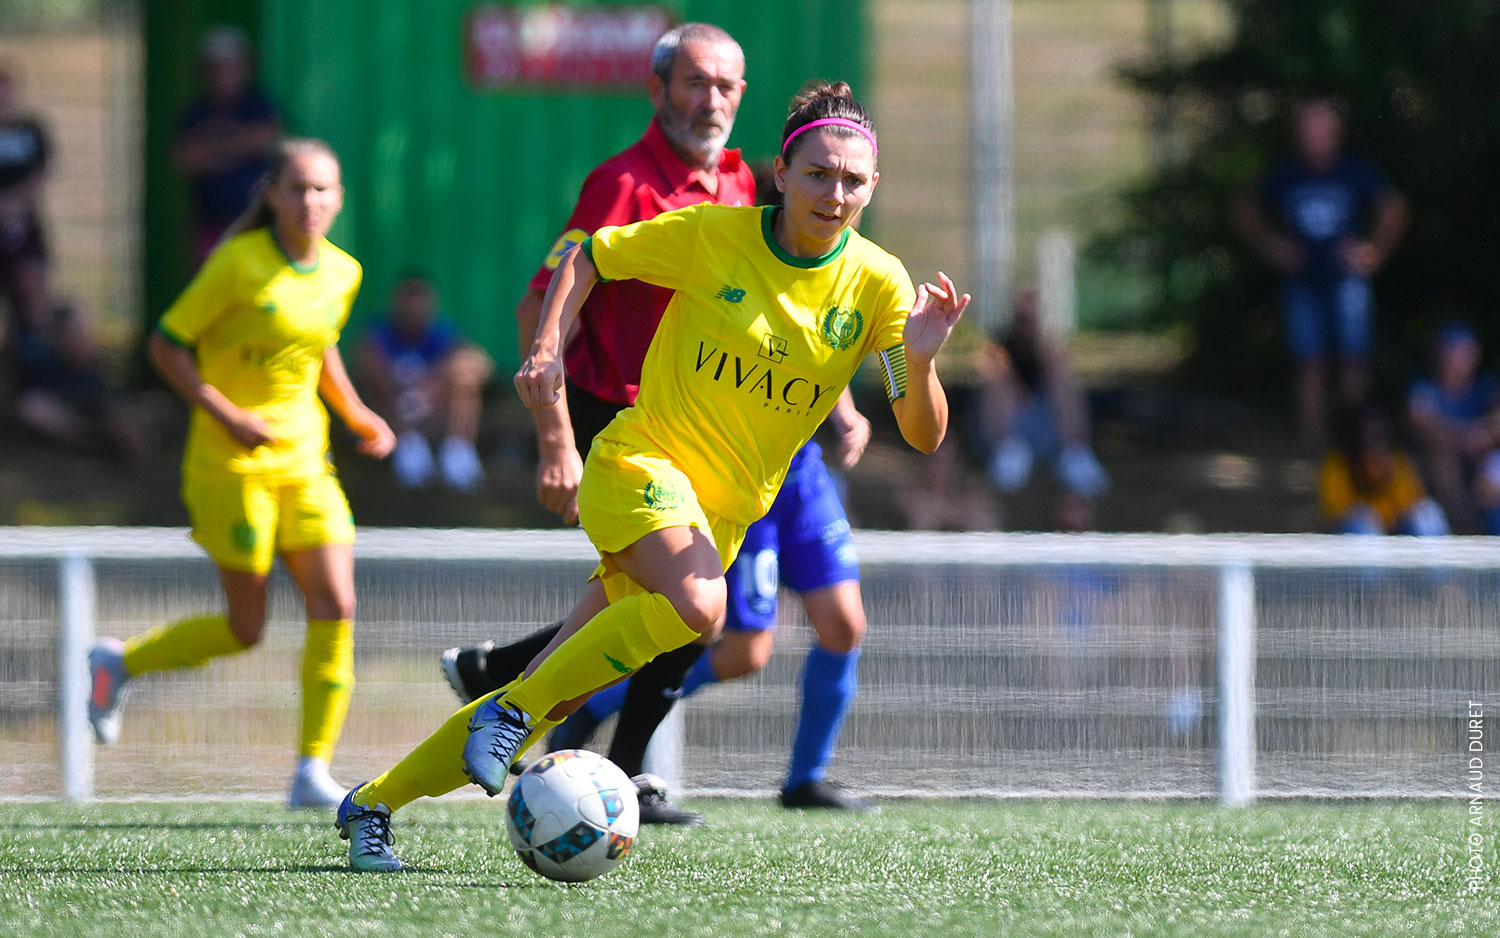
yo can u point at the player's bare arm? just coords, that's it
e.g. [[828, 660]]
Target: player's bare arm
[[375, 437], [923, 413], [540, 380], [559, 464], [852, 427], [178, 366]]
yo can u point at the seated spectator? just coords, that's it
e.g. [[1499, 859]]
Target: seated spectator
[[426, 379], [942, 497], [1366, 486], [1032, 409], [61, 392], [1454, 417]]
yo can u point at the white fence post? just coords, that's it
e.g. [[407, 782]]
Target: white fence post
[[1236, 685], [992, 119], [75, 612], [1057, 284]]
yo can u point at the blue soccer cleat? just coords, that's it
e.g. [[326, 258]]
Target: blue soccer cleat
[[496, 733], [368, 831]]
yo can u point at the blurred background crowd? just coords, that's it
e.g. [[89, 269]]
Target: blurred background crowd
[[1246, 281]]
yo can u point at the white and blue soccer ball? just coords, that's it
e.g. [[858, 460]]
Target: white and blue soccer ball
[[572, 815]]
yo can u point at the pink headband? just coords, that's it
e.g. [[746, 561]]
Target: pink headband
[[835, 122]]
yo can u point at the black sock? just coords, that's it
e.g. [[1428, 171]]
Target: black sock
[[648, 700], [504, 663]]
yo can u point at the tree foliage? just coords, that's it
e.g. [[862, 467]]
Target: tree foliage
[[1421, 79]]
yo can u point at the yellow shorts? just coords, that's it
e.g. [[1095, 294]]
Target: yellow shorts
[[626, 494], [245, 521]]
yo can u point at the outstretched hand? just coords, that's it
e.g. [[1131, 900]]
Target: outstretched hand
[[933, 316]]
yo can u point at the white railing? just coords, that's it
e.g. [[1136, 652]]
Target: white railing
[[1233, 562]]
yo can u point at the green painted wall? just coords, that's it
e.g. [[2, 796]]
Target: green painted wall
[[474, 186], [173, 29]]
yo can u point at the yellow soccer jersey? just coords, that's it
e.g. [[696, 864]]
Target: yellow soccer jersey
[[755, 346], [259, 326]]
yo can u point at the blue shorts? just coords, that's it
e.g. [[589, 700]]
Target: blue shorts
[[803, 541], [1327, 318]]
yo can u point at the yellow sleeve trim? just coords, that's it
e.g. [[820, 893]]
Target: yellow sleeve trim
[[587, 247], [893, 370]]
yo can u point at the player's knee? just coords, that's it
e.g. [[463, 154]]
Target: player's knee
[[467, 371], [757, 656], [248, 627], [331, 607], [842, 634], [701, 602]]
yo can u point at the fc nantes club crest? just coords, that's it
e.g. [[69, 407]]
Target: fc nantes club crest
[[841, 327], [662, 496]]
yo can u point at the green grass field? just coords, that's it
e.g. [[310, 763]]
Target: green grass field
[[916, 870]]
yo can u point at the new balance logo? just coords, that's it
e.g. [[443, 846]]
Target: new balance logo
[[732, 294]]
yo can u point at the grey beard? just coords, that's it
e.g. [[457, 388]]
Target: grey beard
[[708, 152]]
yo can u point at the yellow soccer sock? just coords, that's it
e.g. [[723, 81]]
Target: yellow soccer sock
[[327, 683], [186, 643], [542, 728], [434, 768], [626, 635]]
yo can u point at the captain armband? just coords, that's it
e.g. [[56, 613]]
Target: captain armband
[[893, 370]]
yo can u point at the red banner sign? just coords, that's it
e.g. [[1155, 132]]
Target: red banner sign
[[555, 45]]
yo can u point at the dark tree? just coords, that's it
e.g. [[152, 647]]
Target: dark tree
[[1421, 79]]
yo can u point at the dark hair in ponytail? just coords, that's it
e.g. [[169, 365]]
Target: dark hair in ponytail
[[821, 100], [258, 213]]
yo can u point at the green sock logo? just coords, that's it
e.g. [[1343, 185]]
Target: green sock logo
[[618, 665]]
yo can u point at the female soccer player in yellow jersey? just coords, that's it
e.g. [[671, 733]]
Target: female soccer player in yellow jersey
[[251, 344], [772, 313]]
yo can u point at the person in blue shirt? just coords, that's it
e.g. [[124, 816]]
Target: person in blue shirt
[[1325, 220], [425, 378], [1455, 417], [223, 139]]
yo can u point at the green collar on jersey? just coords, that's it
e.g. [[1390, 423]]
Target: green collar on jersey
[[299, 268], [768, 229]]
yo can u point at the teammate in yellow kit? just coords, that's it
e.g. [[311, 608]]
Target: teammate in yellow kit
[[252, 345], [773, 311]]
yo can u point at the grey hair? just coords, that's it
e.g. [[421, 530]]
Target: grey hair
[[665, 51]]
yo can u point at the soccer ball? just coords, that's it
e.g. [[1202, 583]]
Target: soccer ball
[[572, 815]]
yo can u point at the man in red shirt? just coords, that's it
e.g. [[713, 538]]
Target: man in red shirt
[[695, 85]]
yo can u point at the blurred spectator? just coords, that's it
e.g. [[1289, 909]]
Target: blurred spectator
[[1366, 486], [1307, 218], [425, 378], [1453, 414], [225, 137], [62, 394], [24, 153], [941, 497], [1031, 409]]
